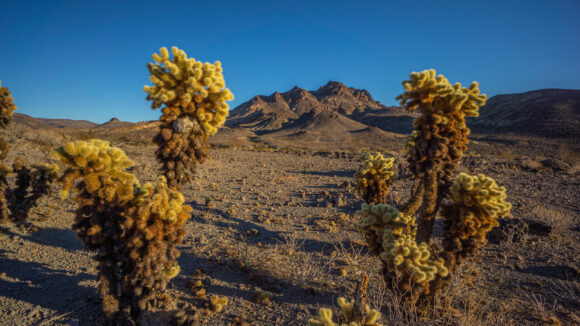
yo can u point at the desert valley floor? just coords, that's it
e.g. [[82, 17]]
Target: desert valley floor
[[282, 221]]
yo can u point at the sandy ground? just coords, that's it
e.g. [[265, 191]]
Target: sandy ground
[[282, 222]]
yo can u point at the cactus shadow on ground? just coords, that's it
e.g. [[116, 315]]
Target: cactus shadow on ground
[[54, 237], [33, 282]]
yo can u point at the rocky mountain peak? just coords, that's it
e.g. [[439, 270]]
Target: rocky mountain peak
[[281, 109]]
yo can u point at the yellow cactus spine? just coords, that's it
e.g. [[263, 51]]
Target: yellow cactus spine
[[374, 178], [193, 98], [135, 228]]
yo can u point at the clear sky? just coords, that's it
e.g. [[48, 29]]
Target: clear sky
[[83, 59]]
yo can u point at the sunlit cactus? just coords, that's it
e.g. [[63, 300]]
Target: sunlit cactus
[[134, 228], [474, 204], [325, 316], [439, 139], [374, 178], [391, 234], [7, 107], [193, 98], [470, 205]]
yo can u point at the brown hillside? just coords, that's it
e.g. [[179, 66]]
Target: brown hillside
[[43, 123], [351, 108], [553, 113]]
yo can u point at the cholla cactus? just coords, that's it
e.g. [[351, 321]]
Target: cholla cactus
[[373, 179], [475, 203], [38, 178], [134, 228], [439, 140], [31, 184], [7, 107], [193, 96], [392, 235], [472, 203], [324, 317]]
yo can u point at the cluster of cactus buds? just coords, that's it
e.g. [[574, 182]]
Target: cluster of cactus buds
[[134, 228], [373, 179], [193, 97], [391, 234], [474, 204], [31, 183], [325, 316]]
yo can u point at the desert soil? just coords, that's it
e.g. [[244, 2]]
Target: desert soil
[[282, 221]]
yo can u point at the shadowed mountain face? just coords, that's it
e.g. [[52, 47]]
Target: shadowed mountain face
[[330, 107], [553, 113]]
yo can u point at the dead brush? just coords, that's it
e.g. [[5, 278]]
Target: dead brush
[[567, 292], [541, 309], [352, 254]]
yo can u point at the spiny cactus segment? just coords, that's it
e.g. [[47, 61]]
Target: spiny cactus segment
[[475, 203], [325, 316], [392, 235], [134, 228], [374, 178], [193, 96]]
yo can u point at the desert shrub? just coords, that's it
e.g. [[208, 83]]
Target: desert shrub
[[31, 183], [193, 98], [373, 179], [133, 228], [470, 205]]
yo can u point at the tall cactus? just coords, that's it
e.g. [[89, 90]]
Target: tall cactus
[[439, 140], [134, 228], [470, 205], [193, 98]]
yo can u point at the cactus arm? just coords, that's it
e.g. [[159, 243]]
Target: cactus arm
[[416, 198]]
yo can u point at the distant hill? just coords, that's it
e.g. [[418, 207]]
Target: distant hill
[[42, 123], [553, 113], [114, 123]]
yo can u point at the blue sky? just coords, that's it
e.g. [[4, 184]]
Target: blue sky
[[87, 59]]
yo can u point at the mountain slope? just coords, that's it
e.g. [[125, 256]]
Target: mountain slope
[[43, 123], [553, 113], [334, 107]]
